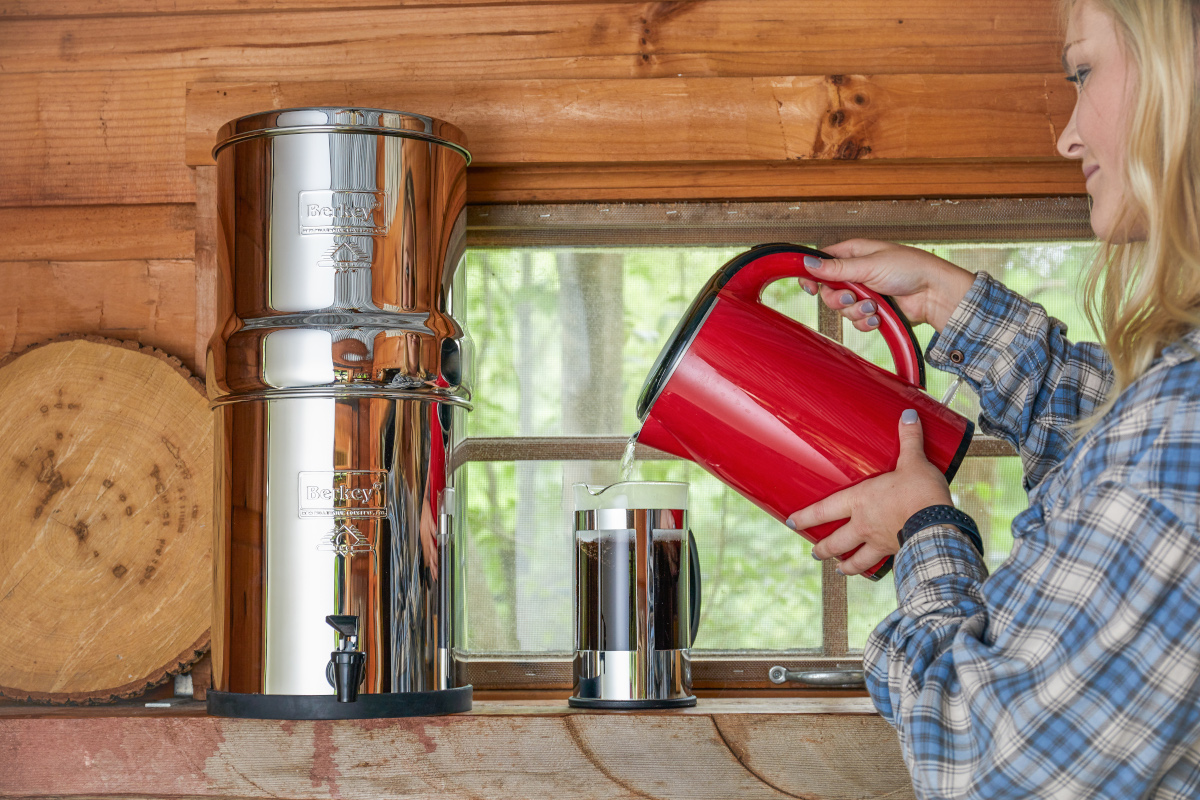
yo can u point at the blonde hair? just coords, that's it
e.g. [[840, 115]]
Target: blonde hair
[[1142, 295]]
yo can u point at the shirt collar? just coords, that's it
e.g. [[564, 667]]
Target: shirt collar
[[1185, 348]]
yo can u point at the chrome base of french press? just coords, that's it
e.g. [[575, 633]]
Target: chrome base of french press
[[326, 706], [618, 679]]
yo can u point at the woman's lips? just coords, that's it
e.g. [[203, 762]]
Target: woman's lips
[[1089, 171]]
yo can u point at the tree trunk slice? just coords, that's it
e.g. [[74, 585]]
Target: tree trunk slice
[[106, 463]]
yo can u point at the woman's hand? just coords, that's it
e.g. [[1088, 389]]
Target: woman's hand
[[879, 507], [926, 288]]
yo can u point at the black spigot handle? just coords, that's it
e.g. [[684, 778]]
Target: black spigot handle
[[345, 624], [347, 673]]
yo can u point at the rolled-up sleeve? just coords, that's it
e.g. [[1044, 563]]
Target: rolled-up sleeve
[[1033, 383]]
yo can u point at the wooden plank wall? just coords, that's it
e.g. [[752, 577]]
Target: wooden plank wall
[[97, 182]]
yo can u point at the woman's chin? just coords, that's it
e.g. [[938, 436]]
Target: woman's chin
[[1111, 229]]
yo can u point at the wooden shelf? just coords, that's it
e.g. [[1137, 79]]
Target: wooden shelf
[[812, 748]]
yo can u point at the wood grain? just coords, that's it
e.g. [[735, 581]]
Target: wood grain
[[106, 513], [207, 231], [780, 119], [545, 707], [117, 138], [148, 301], [498, 751], [603, 39], [97, 233], [93, 138], [94, 100], [792, 180], [125, 8]]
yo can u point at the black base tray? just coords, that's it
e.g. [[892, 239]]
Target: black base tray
[[631, 705], [326, 706]]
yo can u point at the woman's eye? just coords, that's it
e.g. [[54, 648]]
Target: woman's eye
[[1079, 77]]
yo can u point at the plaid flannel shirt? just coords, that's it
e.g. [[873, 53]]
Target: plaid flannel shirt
[[1074, 670]]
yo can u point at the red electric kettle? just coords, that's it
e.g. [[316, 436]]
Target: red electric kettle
[[780, 413]]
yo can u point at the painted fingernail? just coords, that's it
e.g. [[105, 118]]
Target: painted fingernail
[[790, 524], [839, 571], [847, 298], [909, 417], [868, 307], [812, 262], [815, 556], [873, 322], [810, 289]]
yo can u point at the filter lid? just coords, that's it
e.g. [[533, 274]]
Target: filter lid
[[333, 119]]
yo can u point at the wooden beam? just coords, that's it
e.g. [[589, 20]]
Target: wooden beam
[[809, 180], [236, 40], [25, 9], [207, 235], [717, 138], [76, 138], [755, 120], [147, 301], [94, 97], [826, 748], [117, 138], [96, 233]]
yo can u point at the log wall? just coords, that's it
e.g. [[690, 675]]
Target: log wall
[[107, 226], [109, 107]]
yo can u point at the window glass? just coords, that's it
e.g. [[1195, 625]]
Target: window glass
[[564, 337]]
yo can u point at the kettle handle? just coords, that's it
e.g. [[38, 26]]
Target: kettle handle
[[750, 274]]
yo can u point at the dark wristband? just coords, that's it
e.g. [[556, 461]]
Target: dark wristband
[[941, 515]]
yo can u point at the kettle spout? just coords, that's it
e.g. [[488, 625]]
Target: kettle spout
[[653, 434]]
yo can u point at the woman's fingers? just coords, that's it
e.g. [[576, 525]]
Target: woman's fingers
[[832, 508], [838, 543], [854, 265], [863, 313], [866, 557], [844, 540]]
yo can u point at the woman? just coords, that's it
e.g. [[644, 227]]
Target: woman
[[1074, 670]]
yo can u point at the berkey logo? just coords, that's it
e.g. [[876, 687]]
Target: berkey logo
[[346, 540], [343, 212], [351, 493]]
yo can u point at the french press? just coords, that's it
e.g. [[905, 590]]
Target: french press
[[637, 596]]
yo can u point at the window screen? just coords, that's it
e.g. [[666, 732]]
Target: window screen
[[568, 306]]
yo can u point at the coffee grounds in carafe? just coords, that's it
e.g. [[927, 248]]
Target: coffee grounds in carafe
[[607, 577], [671, 630]]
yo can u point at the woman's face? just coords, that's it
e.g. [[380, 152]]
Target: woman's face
[[1105, 77]]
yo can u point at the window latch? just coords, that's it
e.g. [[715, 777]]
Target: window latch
[[834, 679]]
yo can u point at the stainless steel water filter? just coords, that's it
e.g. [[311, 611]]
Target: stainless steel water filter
[[337, 375]]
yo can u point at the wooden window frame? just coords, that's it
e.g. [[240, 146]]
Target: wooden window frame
[[721, 672]]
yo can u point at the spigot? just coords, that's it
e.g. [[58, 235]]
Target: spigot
[[345, 670]]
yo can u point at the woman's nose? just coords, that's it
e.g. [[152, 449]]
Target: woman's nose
[[1069, 143]]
